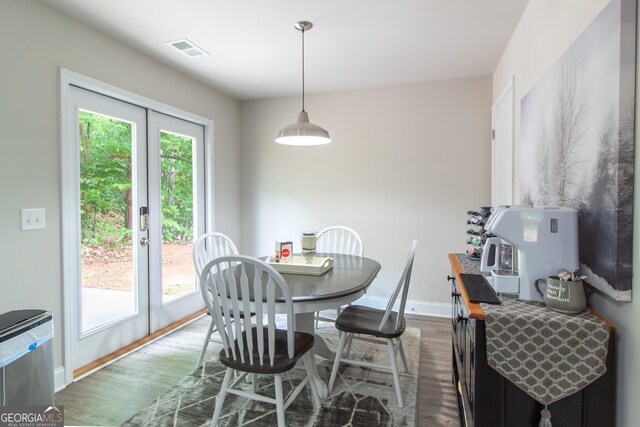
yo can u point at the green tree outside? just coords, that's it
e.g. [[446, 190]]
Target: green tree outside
[[105, 183]]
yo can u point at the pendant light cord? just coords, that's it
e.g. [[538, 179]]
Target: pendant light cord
[[303, 68]]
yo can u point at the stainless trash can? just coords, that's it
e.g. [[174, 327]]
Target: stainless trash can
[[26, 358]]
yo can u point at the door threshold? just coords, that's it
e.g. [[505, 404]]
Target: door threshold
[[128, 349]]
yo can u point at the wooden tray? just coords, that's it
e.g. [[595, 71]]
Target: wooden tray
[[299, 265]]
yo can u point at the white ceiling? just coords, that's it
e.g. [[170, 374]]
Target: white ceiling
[[255, 51]]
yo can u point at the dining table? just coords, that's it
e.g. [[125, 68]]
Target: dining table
[[347, 281]]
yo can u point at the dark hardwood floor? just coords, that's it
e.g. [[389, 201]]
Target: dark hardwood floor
[[437, 404], [113, 394]]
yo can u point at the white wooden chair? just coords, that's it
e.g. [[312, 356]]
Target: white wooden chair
[[206, 248], [229, 285], [386, 326], [338, 239]]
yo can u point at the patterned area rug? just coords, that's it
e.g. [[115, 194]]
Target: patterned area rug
[[361, 396]]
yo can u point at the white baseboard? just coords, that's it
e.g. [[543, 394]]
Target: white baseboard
[[58, 379], [422, 308]]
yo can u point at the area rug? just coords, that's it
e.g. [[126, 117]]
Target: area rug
[[360, 397]]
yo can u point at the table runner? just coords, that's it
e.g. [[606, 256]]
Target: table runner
[[547, 354], [469, 265]]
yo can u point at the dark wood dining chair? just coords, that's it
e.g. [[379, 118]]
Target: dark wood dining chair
[[385, 326], [230, 285]]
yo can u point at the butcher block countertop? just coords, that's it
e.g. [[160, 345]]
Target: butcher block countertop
[[474, 310]]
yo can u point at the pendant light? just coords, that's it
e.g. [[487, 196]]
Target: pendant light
[[303, 132]]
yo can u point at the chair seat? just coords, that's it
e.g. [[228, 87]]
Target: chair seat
[[282, 362], [358, 319]]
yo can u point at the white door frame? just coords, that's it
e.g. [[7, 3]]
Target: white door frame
[[506, 96], [68, 204]]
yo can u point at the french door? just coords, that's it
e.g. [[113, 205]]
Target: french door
[[176, 206], [139, 205]]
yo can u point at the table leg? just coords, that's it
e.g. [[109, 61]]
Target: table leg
[[305, 323]]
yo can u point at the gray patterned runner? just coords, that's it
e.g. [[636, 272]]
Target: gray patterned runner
[[469, 265], [547, 354]]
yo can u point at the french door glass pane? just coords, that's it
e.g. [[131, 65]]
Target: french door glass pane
[[106, 219], [177, 193]]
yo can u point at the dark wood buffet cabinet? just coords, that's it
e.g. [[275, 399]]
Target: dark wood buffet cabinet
[[487, 399]]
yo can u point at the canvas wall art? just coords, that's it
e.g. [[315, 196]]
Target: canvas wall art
[[577, 144]]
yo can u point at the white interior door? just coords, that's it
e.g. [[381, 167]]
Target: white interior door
[[176, 216], [107, 155], [502, 148]]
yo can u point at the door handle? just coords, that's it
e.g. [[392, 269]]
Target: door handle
[[144, 241], [144, 218]]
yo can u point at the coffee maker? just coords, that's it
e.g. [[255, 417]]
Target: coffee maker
[[545, 240]]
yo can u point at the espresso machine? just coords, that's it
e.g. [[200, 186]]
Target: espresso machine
[[543, 241]]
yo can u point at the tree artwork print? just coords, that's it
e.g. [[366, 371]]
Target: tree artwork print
[[577, 144]]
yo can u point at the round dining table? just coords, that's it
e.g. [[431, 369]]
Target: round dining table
[[344, 283]]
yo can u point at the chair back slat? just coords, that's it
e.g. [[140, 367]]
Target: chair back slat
[[271, 316], [405, 288], [258, 296], [212, 300], [401, 288], [225, 307], [238, 284], [232, 286], [246, 308], [339, 239]]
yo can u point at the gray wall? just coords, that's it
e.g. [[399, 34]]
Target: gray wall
[[405, 162], [544, 32], [38, 40]]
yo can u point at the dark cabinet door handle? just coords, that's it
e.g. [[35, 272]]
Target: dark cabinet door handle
[[472, 356]]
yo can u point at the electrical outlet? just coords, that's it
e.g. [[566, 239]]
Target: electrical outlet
[[32, 219]]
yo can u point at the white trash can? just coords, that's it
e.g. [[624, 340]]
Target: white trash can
[[26, 358]]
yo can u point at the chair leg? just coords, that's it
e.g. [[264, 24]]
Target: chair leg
[[403, 358], [206, 343], [221, 396], [336, 362], [314, 390], [394, 368], [317, 314], [279, 400], [347, 353]]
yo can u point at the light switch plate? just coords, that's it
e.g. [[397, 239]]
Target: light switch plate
[[32, 219]]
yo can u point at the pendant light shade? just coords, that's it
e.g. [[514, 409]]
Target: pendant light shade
[[303, 132]]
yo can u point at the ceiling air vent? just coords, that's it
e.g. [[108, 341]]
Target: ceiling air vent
[[187, 47]]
